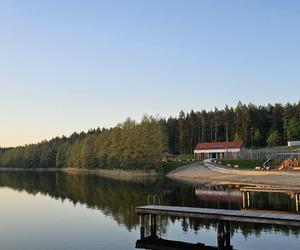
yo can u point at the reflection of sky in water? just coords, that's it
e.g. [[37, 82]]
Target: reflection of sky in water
[[40, 222]]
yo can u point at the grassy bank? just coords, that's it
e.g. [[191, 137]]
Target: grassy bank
[[169, 166], [119, 173], [243, 164]]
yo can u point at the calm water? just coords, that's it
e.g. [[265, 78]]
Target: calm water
[[60, 211]]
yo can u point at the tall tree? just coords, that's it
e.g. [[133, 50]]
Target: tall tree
[[274, 138], [293, 129]]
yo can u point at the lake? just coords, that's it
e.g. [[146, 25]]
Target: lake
[[53, 210]]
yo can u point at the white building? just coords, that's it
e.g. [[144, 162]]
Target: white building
[[293, 143], [206, 150]]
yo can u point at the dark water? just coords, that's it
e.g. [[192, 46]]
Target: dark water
[[61, 211]]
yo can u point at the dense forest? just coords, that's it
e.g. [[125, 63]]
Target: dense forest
[[256, 126], [132, 145], [129, 145]]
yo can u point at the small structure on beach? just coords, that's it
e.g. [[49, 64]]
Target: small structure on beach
[[167, 156], [207, 150], [289, 164]]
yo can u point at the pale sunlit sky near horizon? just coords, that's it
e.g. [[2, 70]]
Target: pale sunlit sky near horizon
[[73, 65]]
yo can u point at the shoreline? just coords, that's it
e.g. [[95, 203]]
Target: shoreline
[[120, 174], [201, 174]]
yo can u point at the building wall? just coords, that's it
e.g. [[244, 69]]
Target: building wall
[[201, 155]]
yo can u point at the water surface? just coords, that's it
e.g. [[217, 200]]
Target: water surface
[[64, 211]]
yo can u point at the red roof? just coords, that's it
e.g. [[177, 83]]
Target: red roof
[[219, 145]]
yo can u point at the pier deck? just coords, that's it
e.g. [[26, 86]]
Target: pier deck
[[270, 190], [221, 214]]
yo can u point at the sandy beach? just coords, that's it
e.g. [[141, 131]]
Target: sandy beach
[[199, 174]]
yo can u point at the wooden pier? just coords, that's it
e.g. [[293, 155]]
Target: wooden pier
[[247, 190], [270, 190], [156, 243], [220, 214]]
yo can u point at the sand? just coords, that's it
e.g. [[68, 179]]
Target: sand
[[199, 174]]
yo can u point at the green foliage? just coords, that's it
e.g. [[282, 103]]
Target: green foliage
[[274, 138], [244, 122], [257, 137], [293, 130], [237, 137], [127, 146], [134, 145]]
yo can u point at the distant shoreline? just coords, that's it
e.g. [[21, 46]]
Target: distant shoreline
[[200, 174], [114, 173]]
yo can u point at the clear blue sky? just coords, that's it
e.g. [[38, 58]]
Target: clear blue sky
[[73, 65]]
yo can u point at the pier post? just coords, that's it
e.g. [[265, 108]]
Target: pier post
[[223, 235], [227, 235], [142, 224], [297, 202], [220, 235], [248, 199], [153, 224]]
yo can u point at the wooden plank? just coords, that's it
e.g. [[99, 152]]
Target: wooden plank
[[221, 214], [269, 190]]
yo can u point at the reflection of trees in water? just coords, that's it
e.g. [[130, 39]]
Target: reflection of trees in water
[[246, 229], [118, 199], [273, 201], [229, 197], [114, 198]]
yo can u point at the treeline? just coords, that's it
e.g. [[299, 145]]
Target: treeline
[[257, 126], [134, 145], [129, 145]]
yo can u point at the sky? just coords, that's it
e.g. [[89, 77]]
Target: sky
[[70, 66]]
